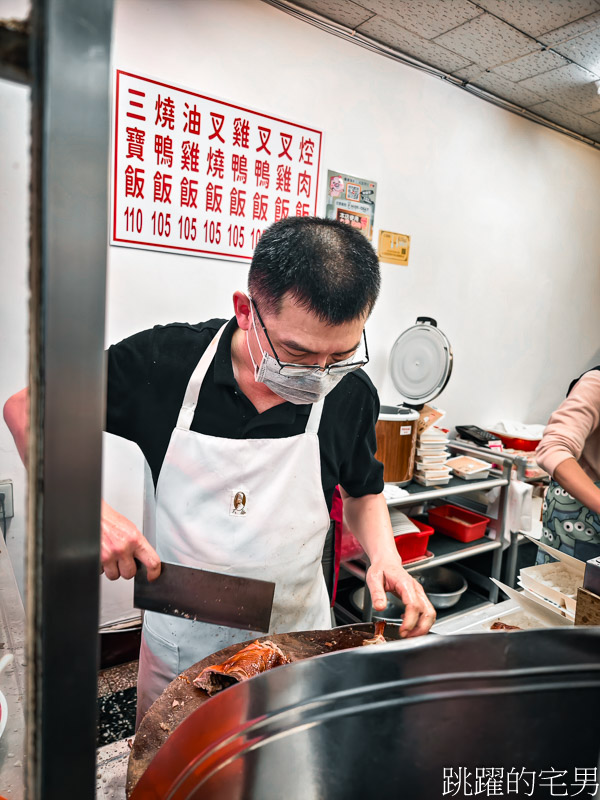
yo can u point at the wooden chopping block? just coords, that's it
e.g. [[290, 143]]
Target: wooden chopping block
[[587, 610], [181, 698]]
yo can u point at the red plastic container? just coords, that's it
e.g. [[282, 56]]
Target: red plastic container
[[409, 545], [466, 526], [413, 545], [515, 443]]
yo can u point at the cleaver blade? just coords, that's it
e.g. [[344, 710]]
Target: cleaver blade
[[199, 594]]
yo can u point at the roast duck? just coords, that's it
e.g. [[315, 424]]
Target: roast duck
[[253, 659]]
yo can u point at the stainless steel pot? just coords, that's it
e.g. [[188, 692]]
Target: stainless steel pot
[[444, 587], [392, 612], [391, 721]]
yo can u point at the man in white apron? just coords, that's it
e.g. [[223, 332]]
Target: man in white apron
[[247, 427]]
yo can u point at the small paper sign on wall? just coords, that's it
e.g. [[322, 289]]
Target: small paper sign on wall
[[351, 200], [196, 175], [393, 248]]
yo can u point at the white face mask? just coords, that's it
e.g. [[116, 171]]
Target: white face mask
[[297, 389]]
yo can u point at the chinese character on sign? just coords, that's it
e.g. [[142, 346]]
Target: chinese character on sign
[[241, 132], [286, 140], [302, 209], [137, 104], [163, 147], [189, 192], [192, 120], [217, 123], [134, 182], [214, 196], [216, 163], [284, 178], [135, 143], [282, 208], [165, 113], [264, 135], [307, 147], [162, 188], [304, 184], [190, 156], [237, 203], [259, 206], [239, 166], [262, 173]]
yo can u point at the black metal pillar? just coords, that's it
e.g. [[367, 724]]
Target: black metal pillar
[[70, 57]]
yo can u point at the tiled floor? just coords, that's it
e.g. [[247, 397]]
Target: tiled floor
[[116, 702], [111, 770]]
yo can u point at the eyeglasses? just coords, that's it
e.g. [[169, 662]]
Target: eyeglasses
[[285, 368]]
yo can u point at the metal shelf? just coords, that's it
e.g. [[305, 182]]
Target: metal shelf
[[347, 614], [445, 550], [422, 494]]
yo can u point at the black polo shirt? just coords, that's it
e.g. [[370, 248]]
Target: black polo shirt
[[148, 374]]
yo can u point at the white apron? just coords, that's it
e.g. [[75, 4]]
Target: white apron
[[249, 507]]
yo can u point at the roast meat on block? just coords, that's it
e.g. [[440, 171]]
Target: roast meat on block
[[379, 638], [246, 663]]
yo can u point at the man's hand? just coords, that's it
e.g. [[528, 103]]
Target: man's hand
[[419, 614], [120, 543]]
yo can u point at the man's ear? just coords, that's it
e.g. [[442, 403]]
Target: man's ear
[[241, 306]]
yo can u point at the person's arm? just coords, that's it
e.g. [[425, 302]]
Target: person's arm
[[572, 478], [369, 520], [16, 416], [569, 428], [120, 540]]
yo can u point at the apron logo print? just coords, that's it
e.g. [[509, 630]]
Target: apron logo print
[[238, 504]]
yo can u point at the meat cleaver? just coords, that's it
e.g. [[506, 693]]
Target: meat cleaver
[[200, 594]]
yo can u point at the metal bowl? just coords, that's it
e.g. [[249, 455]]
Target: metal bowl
[[392, 612], [444, 587]]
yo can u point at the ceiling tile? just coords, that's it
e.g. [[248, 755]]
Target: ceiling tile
[[342, 11], [411, 44], [567, 32], [584, 50], [469, 73], [595, 117], [536, 16], [562, 116], [487, 41], [514, 92], [530, 65], [428, 18], [570, 86]]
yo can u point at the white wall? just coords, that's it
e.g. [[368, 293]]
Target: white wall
[[503, 213]]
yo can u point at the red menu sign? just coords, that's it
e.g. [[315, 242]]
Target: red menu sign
[[196, 175]]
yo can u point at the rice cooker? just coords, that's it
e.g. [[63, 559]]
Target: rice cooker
[[420, 366]]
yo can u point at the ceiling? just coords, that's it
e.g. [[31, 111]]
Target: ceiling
[[542, 56]]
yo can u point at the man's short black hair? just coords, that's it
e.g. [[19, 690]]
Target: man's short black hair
[[329, 268]]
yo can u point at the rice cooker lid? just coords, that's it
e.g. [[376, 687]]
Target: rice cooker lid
[[397, 414], [421, 362]]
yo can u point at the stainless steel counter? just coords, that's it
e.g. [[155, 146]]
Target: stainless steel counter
[[12, 681]]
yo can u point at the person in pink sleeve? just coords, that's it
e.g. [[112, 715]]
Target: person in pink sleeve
[[570, 452]]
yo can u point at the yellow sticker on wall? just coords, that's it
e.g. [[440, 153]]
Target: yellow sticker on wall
[[393, 248]]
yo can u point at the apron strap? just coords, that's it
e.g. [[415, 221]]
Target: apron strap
[[314, 420], [190, 401]]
